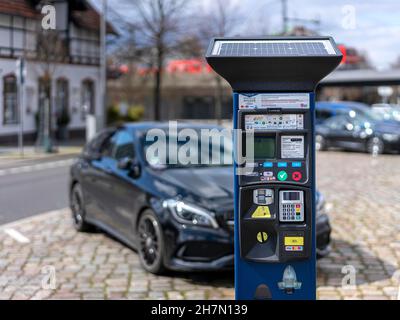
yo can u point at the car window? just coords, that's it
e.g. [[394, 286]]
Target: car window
[[336, 123], [323, 114], [123, 145], [218, 154], [97, 143], [106, 148]]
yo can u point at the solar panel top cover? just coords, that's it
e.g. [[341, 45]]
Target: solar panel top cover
[[265, 48]]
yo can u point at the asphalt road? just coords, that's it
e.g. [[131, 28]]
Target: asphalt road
[[29, 193]]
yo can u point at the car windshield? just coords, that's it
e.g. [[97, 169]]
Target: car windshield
[[366, 113], [387, 113], [343, 121], [197, 150]]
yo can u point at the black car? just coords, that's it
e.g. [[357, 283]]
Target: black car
[[358, 133], [176, 217]]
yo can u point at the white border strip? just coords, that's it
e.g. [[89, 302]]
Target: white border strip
[[16, 235]]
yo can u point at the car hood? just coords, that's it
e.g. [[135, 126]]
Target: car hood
[[209, 186], [387, 127]]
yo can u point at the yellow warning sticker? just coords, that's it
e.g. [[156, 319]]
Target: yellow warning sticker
[[262, 237], [261, 212], [294, 241]]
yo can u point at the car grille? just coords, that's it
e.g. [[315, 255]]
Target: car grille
[[204, 251]]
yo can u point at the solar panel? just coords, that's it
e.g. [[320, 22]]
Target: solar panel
[[265, 48]]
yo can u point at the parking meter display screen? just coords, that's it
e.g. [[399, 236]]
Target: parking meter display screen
[[291, 196], [264, 147]]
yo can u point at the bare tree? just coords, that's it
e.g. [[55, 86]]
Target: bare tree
[[51, 51], [190, 47], [218, 20], [158, 23]]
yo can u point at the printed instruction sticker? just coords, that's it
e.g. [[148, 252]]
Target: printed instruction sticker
[[292, 147], [274, 100]]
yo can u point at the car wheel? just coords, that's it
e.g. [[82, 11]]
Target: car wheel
[[78, 210], [151, 243], [375, 146], [320, 143]]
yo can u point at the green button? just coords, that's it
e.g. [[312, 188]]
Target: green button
[[282, 176]]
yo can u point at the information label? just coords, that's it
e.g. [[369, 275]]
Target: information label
[[274, 121], [274, 100], [292, 147]]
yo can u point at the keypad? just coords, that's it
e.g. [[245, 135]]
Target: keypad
[[291, 212]]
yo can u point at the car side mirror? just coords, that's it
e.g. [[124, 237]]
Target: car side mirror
[[125, 163], [136, 170], [130, 165], [95, 156]]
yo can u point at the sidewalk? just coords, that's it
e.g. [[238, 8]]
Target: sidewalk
[[43, 257], [10, 157]]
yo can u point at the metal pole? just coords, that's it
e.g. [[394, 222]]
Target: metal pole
[[21, 121], [47, 139], [21, 81], [103, 62]]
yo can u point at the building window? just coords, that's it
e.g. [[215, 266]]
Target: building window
[[88, 106], [10, 95], [62, 97]]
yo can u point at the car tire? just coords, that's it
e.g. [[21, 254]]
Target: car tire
[[78, 210], [375, 146], [320, 143], [151, 243]]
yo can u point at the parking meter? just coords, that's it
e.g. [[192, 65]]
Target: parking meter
[[273, 82]]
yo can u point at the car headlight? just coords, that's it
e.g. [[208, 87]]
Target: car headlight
[[390, 137], [190, 213]]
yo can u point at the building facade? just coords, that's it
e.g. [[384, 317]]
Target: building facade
[[190, 91], [74, 81]]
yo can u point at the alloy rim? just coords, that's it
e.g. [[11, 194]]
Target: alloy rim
[[376, 146], [77, 209], [149, 241]]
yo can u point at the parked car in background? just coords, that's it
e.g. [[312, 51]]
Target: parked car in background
[[359, 133], [177, 217], [328, 109], [387, 111]]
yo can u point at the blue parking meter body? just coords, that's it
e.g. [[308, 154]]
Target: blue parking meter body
[[273, 81]]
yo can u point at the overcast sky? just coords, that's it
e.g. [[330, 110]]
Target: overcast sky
[[372, 26], [374, 29]]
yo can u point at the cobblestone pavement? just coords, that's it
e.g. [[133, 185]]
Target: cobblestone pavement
[[44, 258], [364, 199]]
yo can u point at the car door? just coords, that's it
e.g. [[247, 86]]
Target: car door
[[339, 132], [124, 189], [359, 127], [100, 181], [92, 175]]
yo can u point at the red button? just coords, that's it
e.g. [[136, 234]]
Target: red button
[[296, 176]]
